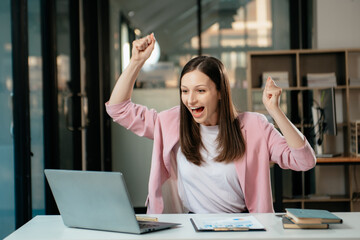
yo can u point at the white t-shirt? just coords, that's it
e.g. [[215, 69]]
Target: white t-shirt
[[212, 187]]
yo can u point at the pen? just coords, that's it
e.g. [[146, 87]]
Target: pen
[[232, 229], [149, 219]]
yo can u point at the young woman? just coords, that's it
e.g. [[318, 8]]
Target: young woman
[[211, 158]]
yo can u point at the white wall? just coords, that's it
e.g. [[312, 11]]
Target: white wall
[[132, 154], [336, 24]]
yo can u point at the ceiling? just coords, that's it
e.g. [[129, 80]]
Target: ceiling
[[175, 22]]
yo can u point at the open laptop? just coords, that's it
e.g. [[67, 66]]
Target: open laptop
[[97, 200]]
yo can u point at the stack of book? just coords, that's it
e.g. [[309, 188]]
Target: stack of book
[[296, 218], [354, 82], [321, 79]]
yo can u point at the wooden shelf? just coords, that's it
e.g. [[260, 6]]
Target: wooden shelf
[[297, 100], [345, 199], [339, 160]]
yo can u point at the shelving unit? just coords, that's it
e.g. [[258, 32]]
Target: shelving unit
[[296, 102], [355, 138], [334, 202]]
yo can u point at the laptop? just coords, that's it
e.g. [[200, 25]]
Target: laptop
[[97, 200]]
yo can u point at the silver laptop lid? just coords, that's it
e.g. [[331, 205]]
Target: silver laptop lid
[[93, 200]]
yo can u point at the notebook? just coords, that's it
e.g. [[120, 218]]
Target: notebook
[[289, 224], [312, 216], [97, 200], [233, 222]]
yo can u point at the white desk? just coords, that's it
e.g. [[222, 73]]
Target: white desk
[[52, 227]]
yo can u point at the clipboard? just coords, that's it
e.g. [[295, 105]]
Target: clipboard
[[226, 224]]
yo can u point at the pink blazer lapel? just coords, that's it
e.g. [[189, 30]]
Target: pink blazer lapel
[[240, 165]]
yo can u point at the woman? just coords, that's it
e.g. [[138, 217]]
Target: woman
[[219, 159]]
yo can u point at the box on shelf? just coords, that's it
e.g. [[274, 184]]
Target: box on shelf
[[355, 138], [280, 78]]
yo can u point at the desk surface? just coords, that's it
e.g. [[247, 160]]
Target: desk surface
[[52, 227]]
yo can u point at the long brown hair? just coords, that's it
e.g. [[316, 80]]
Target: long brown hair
[[231, 143]]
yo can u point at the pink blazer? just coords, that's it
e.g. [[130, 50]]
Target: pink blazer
[[264, 144]]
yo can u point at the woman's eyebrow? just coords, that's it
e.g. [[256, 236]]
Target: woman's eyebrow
[[200, 85]]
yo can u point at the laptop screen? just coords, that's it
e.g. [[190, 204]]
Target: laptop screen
[[94, 200]]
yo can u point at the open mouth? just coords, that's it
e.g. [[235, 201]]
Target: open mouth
[[197, 110]]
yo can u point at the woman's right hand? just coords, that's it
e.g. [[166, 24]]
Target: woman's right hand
[[142, 48], [141, 51]]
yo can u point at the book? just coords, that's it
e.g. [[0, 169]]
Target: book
[[321, 79], [223, 224], [354, 82], [312, 216], [281, 79], [288, 224]]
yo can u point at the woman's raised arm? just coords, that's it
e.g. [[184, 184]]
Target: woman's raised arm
[[141, 51], [271, 99]]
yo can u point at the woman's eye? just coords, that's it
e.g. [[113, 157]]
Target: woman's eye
[[201, 90], [184, 91]]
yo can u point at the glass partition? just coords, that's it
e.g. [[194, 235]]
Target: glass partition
[[36, 108], [65, 85], [7, 178]]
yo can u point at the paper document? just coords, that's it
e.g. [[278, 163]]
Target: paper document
[[234, 223]]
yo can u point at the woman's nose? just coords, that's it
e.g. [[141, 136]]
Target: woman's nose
[[191, 98]]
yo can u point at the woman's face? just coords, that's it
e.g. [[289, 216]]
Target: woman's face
[[200, 96]]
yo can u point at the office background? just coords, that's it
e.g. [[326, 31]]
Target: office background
[[60, 59]]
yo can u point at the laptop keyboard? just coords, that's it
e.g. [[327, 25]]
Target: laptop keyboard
[[147, 225]]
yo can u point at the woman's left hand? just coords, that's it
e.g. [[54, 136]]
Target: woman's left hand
[[271, 96], [271, 100]]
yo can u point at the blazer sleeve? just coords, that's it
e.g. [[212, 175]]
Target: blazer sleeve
[[298, 159], [134, 117]]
